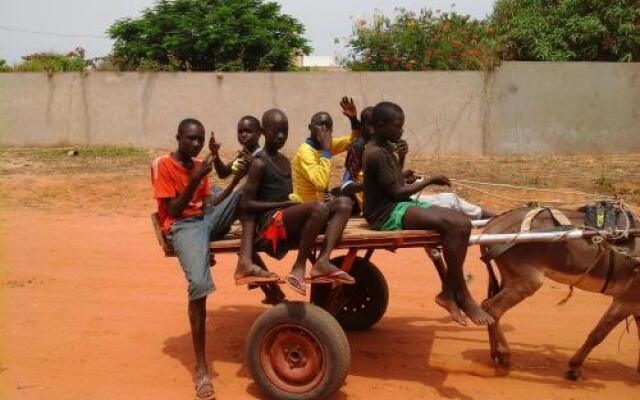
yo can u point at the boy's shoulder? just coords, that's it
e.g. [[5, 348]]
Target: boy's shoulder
[[168, 164], [161, 160], [373, 150], [358, 144]]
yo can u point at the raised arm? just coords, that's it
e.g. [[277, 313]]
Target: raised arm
[[249, 202], [222, 170], [350, 111]]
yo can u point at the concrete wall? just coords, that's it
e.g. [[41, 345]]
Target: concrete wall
[[564, 108], [520, 108]]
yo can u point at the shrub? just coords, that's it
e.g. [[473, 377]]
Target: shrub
[[568, 30], [73, 61], [422, 41]]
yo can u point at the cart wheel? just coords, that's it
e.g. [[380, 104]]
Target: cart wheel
[[297, 351], [358, 306]]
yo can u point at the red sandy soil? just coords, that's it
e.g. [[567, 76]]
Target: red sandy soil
[[91, 309]]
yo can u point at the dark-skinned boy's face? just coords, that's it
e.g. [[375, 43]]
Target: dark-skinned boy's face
[[276, 133], [248, 133], [319, 123], [191, 140], [392, 130]]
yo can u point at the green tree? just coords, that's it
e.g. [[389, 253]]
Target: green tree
[[568, 30], [208, 35], [421, 41]]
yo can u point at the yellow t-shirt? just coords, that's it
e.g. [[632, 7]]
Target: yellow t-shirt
[[312, 168]]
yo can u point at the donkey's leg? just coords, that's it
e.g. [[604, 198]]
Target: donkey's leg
[[612, 317], [518, 283]]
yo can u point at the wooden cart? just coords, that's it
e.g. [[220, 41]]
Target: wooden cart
[[298, 350]]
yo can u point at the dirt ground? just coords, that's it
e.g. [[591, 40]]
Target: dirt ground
[[90, 308]]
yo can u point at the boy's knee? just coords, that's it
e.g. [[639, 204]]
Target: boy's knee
[[320, 209], [344, 204], [457, 223], [199, 288]]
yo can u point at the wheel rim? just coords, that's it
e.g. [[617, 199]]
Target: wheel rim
[[355, 301], [292, 358]]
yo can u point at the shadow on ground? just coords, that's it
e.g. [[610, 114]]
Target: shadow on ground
[[400, 349]]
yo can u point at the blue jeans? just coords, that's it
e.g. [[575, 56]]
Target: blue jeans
[[190, 238]]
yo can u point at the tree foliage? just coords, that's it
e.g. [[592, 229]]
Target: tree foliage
[[73, 61], [526, 30], [569, 30], [208, 35], [422, 41]]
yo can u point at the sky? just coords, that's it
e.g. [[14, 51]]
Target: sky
[[66, 24]]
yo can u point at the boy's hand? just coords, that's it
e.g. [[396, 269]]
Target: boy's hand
[[440, 180], [244, 162], [246, 157], [409, 176], [324, 137], [213, 145], [349, 108], [402, 148], [204, 168], [328, 196]]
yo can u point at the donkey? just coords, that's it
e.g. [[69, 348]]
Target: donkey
[[579, 263]]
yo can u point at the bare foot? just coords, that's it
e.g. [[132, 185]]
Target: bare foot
[[323, 267], [446, 302], [204, 386], [473, 311], [243, 267]]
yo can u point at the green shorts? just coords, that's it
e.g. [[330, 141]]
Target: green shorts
[[394, 223]]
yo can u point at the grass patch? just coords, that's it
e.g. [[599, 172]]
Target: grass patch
[[87, 152]]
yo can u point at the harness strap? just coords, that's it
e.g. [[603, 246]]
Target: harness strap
[[557, 215], [495, 251]]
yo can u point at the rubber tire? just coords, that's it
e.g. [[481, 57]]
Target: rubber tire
[[369, 281], [330, 337]]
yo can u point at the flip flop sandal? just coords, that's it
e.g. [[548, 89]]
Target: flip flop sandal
[[296, 284], [258, 276], [339, 276], [204, 389]]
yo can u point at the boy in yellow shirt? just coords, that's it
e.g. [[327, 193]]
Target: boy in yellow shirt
[[312, 162]]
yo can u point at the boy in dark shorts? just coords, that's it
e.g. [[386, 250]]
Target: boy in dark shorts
[[190, 217], [282, 223], [388, 207]]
